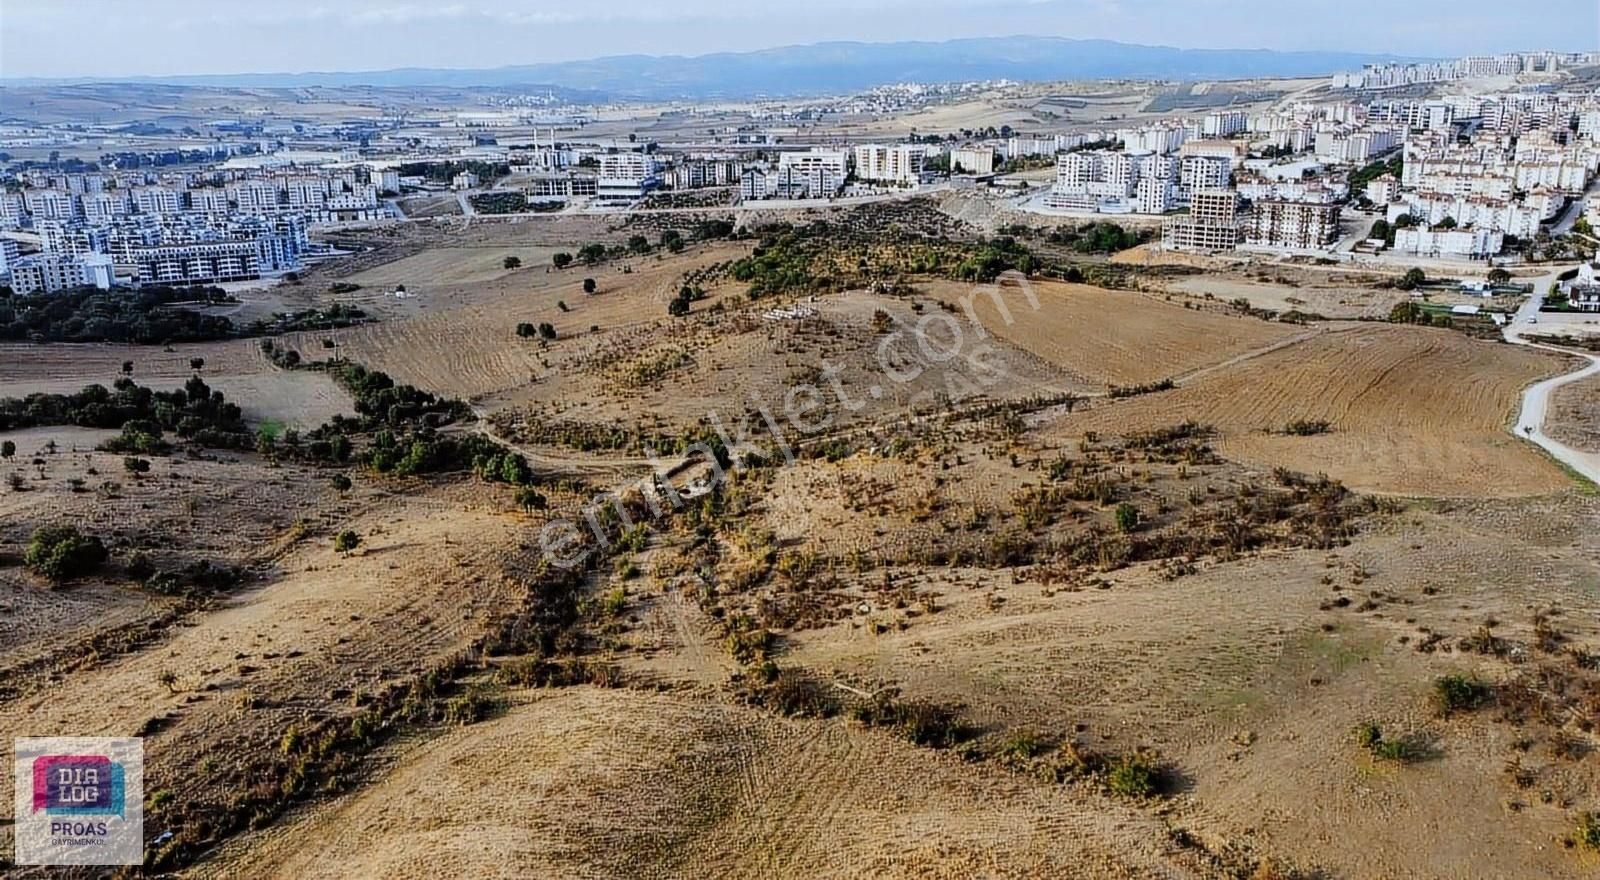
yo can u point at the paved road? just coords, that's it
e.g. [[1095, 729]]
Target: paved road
[[1536, 399], [1565, 222]]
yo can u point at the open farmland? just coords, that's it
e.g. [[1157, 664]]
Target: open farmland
[[1410, 411], [1107, 338], [1014, 610]]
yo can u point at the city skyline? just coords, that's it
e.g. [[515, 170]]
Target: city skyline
[[99, 39]]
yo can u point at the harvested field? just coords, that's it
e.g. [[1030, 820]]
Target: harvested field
[[1310, 295], [1247, 678], [1574, 416], [237, 368], [452, 265], [1105, 338], [603, 777], [1411, 411]]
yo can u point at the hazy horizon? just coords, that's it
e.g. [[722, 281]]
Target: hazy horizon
[[162, 38]]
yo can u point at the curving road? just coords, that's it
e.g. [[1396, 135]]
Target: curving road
[[1536, 398]]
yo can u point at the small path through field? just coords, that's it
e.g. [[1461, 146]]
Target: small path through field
[[1536, 398]]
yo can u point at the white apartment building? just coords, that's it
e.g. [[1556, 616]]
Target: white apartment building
[[1461, 242], [899, 164], [1224, 124], [46, 273], [103, 207], [972, 160], [1204, 172], [156, 200], [209, 200], [1154, 195], [8, 256], [1496, 215], [817, 173], [50, 204], [13, 212], [386, 181], [626, 176]]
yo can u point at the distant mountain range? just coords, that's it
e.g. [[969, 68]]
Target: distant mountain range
[[828, 68]]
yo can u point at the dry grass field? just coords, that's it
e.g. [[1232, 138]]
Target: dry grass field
[[1108, 338], [1410, 411], [1575, 415], [1003, 615]]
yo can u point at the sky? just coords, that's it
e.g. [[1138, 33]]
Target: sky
[[90, 38]]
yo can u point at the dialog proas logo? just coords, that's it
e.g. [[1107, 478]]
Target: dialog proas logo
[[78, 785], [80, 801]]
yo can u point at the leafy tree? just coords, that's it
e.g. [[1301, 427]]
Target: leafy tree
[[588, 285], [346, 541], [547, 331], [511, 262], [197, 364], [672, 240], [590, 254], [1498, 275], [561, 260], [135, 465], [341, 483], [678, 307], [638, 244], [61, 553], [526, 330], [7, 449], [1413, 279]]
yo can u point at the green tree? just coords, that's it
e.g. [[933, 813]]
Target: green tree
[[135, 465], [341, 483], [7, 449], [588, 285], [346, 541], [1127, 517], [561, 260], [511, 262], [62, 553]]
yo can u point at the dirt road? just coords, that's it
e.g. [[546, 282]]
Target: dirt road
[[1536, 399]]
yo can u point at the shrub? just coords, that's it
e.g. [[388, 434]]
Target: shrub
[[1401, 751], [62, 553], [1460, 693], [346, 541], [511, 262], [798, 695], [471, 707], [932, 725], [1127, 517], [1307, 427], [1587, 834], [1134, 776]]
